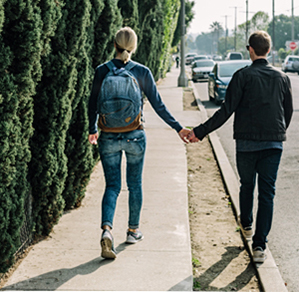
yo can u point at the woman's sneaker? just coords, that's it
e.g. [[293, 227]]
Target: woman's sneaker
[[133, 237], [259, 255], [108, 251]]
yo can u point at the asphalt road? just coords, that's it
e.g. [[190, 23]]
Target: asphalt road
[[284, 235]]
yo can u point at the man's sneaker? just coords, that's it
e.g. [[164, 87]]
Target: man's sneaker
[[247, 231], [259, 255], [108, 251], [133, 237]]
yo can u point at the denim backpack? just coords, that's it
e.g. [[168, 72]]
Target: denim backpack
[[119, 101]]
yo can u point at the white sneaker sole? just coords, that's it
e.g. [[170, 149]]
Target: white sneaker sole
[[107, 252]]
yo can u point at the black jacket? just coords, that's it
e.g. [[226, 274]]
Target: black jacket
[[261, 97]]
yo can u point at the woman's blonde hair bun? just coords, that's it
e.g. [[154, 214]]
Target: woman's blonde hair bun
[[126, 42]]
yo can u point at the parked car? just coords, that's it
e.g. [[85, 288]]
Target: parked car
[[201, 69], [217, 58], [189, 58], [234, 56], [290, 64], [200, 57], [220, 77]]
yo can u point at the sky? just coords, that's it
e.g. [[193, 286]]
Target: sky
[[208, 11]]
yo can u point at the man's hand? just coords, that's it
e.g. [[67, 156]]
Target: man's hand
[[183, 134], [93, 138], [191, 137]]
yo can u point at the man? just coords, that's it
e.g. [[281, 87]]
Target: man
[[261, 98]]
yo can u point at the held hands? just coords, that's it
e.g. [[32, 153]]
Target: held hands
[[93, 138], [191, 137], [188, 136]]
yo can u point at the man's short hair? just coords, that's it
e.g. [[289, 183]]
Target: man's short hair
[[260, 41]]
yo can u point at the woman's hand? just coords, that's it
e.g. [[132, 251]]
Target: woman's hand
[[93, 138], [183, 134]]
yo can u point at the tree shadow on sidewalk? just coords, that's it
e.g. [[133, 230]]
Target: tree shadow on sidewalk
[[205, 280], [54, 279]]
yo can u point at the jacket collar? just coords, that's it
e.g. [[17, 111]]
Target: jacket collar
[[260, 61]]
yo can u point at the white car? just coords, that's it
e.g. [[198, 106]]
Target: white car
[[290, 64], [189, 58], [201, 69]]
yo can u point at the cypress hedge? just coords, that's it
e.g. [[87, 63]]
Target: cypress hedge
[[20, 71], [48, 51]]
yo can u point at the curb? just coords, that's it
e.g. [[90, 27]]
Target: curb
[[268, 273]]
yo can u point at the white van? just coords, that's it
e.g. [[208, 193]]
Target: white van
[[290, 64]]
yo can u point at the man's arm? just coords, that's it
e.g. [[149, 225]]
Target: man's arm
[[288, 103], [233, 97]]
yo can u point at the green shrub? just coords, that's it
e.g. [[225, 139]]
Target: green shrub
[[20, 53]]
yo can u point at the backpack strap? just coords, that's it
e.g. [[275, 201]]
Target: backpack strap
[[110, 65]]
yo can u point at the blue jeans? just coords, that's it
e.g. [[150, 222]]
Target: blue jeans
[[265, 164], [111, 148]]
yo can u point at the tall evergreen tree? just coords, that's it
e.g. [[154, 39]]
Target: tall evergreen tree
[[1, 14], [20, 71], [78, 150], [129, 12], [151, 35], [55, 93], [10, 134], [171, 10], [93, 33], [109, 22]]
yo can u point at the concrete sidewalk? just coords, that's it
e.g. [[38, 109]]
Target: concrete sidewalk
[[70, 258]]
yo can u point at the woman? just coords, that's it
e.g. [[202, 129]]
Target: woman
[[132, 143]]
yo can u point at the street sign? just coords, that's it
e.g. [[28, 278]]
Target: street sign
[[293, 46]]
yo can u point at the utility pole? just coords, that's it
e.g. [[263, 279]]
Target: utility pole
[[246, 40], [293, 38], [246, 36], [226, 32], [235, 41], [273, 33], [183, 80], [247, 25]]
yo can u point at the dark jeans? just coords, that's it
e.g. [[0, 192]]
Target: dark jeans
[[111, 148], [265, 164]]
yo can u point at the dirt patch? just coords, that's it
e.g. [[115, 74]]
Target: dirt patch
[[220, 261]]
